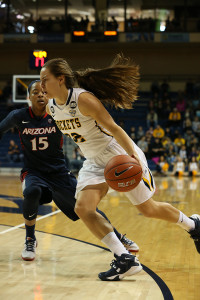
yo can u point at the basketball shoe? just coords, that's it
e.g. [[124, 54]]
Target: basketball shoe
[[128, 244], [29, 249], [124, 265], [195, 233]]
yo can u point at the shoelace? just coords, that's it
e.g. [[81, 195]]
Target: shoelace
[[114, 264], [126, 241], [30, 245]]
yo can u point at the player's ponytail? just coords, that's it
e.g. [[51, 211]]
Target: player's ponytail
[[116, 85]]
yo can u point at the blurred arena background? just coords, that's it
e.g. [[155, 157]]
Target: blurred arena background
[[161, 36]]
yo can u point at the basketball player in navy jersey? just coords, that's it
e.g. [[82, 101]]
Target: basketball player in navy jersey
[[44, 175]]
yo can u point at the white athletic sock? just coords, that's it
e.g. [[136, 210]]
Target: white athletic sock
[[114, 244], [185, 222]]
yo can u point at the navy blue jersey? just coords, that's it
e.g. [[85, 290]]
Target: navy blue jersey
[[41, 140]]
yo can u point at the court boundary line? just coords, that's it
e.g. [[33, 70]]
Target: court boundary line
[[161, 284], [23, 224]]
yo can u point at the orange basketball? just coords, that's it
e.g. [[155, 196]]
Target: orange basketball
[[123, 173]]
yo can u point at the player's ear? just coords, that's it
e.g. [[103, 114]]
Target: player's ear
[[61, 79]]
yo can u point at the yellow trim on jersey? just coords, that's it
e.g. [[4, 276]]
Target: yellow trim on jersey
[[149, 183], [98, 126], [146, 182]]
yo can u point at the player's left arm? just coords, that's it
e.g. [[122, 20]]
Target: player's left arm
[[89, 105]]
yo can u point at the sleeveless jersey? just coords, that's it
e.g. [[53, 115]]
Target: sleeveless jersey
[[91, 137], [40, 138]]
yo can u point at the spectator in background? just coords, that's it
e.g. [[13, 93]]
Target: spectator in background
[[151, 105], [157, 148], [158, 132], [133, 133], [175, 134], [194, 141], [143, 145], [149, 132], [193, 167], [160, 109], [179, 141], [188, 113], [188, 136], [13, 154], [167, 109], [162, 166], [183, 153], [174, 117], [140, 132], [193, 153], [152, 119], [168, 132], [187, 124], [179, 167], [171, 153], [195, 124]]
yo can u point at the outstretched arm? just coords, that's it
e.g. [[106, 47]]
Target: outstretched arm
[[8, 123]]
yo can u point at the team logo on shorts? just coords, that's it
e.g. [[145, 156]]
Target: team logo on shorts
[[72, 112], [73, 104]]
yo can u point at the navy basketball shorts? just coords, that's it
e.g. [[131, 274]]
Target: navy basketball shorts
[[59, 187]]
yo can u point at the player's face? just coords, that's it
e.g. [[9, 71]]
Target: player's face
[[50, 84], [37, 96]]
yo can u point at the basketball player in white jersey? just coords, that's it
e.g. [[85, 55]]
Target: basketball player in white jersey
[[80, 113]]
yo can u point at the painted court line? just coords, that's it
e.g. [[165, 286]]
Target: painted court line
[[38, 219]]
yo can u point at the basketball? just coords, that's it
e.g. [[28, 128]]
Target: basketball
[[123, 173]]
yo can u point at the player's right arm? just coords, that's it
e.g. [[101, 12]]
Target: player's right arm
[[9, 122]]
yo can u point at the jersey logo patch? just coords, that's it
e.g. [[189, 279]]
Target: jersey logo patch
[[52, 110], [72, 112], [73, 104], [25, 122]]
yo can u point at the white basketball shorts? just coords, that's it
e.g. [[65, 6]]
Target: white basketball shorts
[[92, 173]]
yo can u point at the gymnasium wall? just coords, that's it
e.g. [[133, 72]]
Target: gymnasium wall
[[155, 59]]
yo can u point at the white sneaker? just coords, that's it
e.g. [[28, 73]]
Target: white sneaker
[[128, 244], [29, 249]]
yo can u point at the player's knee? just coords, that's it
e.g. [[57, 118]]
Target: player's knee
[[82, 211], [32, 193]]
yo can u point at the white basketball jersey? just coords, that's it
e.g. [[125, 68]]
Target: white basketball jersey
[[193, 166], [180, 166], [91, 137]]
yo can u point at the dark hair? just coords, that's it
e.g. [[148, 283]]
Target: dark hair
[[30, 85], [116, 85]]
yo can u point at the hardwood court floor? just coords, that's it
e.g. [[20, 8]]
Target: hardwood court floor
[[68, 269]]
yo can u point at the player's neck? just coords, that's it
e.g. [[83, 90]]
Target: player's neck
[[62, 97], [38, 112]]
